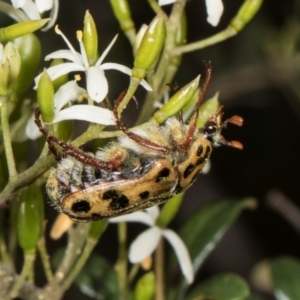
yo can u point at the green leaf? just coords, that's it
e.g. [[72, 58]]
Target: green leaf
[[205, 228], [285, 272], [221, 287], [255, 297]]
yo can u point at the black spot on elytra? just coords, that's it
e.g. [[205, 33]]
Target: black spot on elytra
[[144, 195], [96, 217], [200, 161], [162, 174], [207, 152], [81, 206], [188, 171], [117, 200], [109, 194], [199, 150], [178, 189]]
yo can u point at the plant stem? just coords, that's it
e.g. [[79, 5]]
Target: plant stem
[[7, 140], [133, 271], [87, 250], [12, 236], [159, 271], [26, 270], [6, 259], [156, 8], [77, 237], [217, 38], [121, 265], [46, 261]]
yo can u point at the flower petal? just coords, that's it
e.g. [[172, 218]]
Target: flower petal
[[126, 70], [88, 113], [30, 9], [206, 168], [65, 54], [153, 212], [139, 216], [97, 85], [58, 31], [58, 70], [31, 130], [165, 2], [66, 93], [16, 14], [214, 10], [18, 3], [181, 253], [43, 5], [84, 58], [103, 55], [53, 15], [144, 244]]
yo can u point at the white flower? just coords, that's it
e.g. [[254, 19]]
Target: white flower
[[165, 2], [97, 85], [144, 245], [65, 94], [34, 9], [214, 9]]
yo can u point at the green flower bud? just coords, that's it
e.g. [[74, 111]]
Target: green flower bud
[[10, 64], [90, 38], [17, 30], [207, 110], [139, 37], [64, 129], [61, 80], [97, 228], [45, 93], [29, 48], [169, 211], [145, 287], [245, 14], [150, 47], [122, 13], [181, 33], [30, 216], [177, 102]]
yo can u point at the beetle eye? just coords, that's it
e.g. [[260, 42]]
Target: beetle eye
[[210, 128]]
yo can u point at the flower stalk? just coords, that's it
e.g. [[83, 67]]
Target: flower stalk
[[26, 270], [11, 165]]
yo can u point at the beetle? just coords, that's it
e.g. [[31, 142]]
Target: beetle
[[143, 168]]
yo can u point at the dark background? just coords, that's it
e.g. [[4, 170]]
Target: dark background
[[257, 75]]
